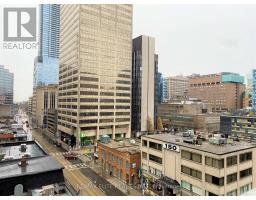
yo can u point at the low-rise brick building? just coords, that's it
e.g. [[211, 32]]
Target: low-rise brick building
[[121, 159]]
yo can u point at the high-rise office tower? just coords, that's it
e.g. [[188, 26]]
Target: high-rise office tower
[[95, 71], [143, 80], [6, 86], [46, 64]]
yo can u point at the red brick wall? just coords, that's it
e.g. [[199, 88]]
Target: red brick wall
[[125, 156]]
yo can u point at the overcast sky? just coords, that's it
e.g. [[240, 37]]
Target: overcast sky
[[189, 39]]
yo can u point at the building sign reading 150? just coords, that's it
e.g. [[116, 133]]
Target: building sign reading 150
[[172, 147]]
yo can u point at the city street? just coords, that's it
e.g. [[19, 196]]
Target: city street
[[82, 184]]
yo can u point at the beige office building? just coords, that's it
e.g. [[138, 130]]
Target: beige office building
[[44, 104], [205, 169], [95, 71], [177, 86]]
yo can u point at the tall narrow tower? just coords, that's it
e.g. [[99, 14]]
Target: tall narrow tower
[[144, 68]]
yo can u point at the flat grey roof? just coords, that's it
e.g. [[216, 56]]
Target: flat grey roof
[[13, 149], [124, 146], [206, 146], [38, 165]]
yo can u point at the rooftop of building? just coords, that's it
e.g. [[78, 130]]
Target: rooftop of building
[[183, 101], [35, 165], [13, 151], [239, 116], [206, 146], [127, 145]]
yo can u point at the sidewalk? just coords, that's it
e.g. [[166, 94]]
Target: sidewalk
[[122, 186]]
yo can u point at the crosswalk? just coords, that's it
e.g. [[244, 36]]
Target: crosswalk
[[76, 166], [64, 153]]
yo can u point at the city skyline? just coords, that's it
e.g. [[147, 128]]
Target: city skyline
[[128, 100], [226, 44]]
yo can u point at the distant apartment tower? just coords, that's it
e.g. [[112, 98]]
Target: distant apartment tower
[[95, 71], [143, 79], [223, 91], [254, 88], [177, 86], [46, 64], [6, 86]]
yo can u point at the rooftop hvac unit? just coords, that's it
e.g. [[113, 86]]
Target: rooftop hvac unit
[[188, 140], [132, 141], [217, 140], [23, 147]]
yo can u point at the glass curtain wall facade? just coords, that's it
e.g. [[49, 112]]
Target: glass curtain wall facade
[[46, 65]]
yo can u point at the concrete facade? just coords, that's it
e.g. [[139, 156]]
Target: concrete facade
[[46, 101], [95, 71], [177, 86], [242, 126], [204, 170]]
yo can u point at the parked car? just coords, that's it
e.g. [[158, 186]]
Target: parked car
[[70, 156]]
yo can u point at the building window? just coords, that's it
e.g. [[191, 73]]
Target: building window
[[245, 188], [144, 167], [191, 188], [155, 172], [185, 185], [155, 159], [231, 178], [127, 165], [245, 157], [232, 193], [245, 173], [144, 143], [212, 162], [191, 156], [214, 180], [191, 172], [121, 162], [144, 155], [155, 146], [232, 160]]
